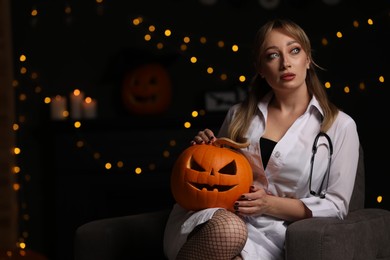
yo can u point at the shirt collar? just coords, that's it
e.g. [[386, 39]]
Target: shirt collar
[[314, 105]]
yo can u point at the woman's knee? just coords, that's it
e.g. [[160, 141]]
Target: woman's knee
[[230, 223]]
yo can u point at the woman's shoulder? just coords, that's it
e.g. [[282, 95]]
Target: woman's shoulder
[[344, 120], [344, 117], [344, 131], [233, 109]]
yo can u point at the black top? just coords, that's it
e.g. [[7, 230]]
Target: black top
[[266, 148]]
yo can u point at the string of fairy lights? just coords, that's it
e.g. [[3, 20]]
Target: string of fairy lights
[[28, 86], [160, 38]]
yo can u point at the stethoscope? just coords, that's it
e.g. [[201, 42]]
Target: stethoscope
[[325, 180]]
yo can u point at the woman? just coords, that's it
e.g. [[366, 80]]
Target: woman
[[285, 110]]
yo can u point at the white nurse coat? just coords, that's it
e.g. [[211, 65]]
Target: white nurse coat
[[286, 175]]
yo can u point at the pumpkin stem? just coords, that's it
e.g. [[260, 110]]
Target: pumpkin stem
[[227, 141]]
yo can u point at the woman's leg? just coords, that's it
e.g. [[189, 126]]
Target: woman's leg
[[222, 237]]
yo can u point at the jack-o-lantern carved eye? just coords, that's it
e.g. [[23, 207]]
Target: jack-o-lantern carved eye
[[230, 168], [194, 165]]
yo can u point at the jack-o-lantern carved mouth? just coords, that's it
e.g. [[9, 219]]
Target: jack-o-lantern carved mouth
[[220, 188], [139, 99]]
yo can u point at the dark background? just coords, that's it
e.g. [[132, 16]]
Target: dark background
[[64, 185]]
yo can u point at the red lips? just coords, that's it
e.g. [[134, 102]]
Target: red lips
[[288, 76]]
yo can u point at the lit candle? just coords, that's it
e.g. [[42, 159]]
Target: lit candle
[[58, 108], [76, 100], [89, 108]]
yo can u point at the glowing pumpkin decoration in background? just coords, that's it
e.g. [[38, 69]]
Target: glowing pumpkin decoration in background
[[207, 176], [147, 89]]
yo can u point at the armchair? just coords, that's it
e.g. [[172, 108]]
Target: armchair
[[364, 234]]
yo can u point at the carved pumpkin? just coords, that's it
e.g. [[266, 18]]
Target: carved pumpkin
[[147, 89], [206, 176]]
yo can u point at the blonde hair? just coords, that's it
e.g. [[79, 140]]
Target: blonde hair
[[259, 87]]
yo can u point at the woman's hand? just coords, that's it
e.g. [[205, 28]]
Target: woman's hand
[[204, 137], [253, 203], [260, 202]]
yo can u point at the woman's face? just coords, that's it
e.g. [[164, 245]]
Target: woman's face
[[283, 62]]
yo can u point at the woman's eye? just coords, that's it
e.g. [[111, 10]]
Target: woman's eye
[[273, 56], [295, 50]]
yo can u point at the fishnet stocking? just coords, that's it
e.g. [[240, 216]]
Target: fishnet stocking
[[221, 238]]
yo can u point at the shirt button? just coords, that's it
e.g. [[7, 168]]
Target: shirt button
[[277, 154]]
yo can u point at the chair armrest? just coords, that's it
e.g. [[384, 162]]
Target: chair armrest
[[137, 236], [364, 234]]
